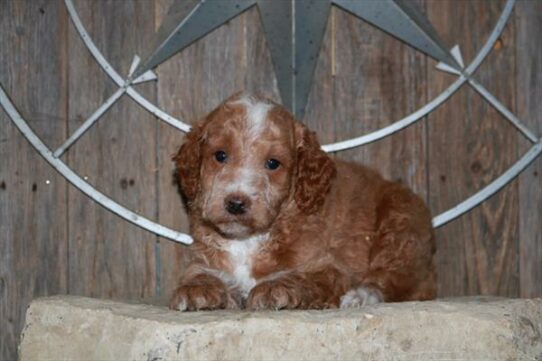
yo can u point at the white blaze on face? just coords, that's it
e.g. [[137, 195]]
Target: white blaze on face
[[244, 183], [256, 113]]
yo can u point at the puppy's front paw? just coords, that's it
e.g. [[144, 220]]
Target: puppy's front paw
[[274, 295], [361, 296], [201, 297]]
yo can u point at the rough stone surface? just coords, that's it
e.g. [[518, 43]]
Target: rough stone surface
[[75, 328]]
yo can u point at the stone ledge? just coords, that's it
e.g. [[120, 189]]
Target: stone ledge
[[76, 328]]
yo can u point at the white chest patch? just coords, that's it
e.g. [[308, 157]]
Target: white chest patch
[[241, 253]]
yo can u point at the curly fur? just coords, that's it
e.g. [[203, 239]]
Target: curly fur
[[316, 170], [314, 233]]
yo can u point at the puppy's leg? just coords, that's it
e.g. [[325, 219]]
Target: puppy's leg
[[401, 264], [202, 292], [296, 290]]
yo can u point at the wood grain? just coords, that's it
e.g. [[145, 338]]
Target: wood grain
[[378, 81], [319, 112], [108, 256], [528, 17], [470, 145], [259, 74], [33, 233]]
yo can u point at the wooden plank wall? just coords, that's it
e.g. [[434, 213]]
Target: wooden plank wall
[[470, 144], [33, 197], [108, 258], [529, 107], [54, 240]]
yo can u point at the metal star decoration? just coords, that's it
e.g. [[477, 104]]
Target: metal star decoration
[[464, 75], [294, 30]]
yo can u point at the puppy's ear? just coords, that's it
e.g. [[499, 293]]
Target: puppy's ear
[[315, 170], [188, 162]]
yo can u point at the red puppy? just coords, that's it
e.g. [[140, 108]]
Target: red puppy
[[279, 224]]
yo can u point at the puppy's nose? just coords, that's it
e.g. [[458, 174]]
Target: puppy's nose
[[236, 204]]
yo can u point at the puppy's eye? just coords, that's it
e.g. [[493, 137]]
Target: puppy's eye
[[272, 164], [221, 156]]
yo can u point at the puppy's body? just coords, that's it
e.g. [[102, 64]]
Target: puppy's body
[[311, 233]]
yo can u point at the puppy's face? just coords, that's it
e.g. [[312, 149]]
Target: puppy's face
[[247, 166], [241, 163]]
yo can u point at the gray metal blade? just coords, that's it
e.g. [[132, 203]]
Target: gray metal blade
[[294, 32], [294, 56], [403, 21], [187, 22], [276, 17], [310, 25]]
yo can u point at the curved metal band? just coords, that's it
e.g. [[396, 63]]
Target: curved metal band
[[491, 188], [153, 109], [333, 147], [400, 124], [439, 220], [83, 186], [429, 107]]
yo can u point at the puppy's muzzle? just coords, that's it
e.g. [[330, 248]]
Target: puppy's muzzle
[[237, 204]]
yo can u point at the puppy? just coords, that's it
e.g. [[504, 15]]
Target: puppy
[[278, 224]]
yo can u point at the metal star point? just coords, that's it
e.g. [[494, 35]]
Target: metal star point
[[294, 31]]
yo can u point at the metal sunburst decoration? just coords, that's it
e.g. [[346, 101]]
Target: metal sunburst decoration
[[294, 31]]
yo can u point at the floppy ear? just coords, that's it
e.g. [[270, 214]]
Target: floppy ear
[[315, 170], [188, 163]]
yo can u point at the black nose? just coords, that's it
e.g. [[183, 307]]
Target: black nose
[[236, 205]]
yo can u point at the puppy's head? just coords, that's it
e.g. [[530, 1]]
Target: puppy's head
[[244, 162]]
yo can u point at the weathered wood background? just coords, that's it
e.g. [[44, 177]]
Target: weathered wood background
[[55, 240]]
